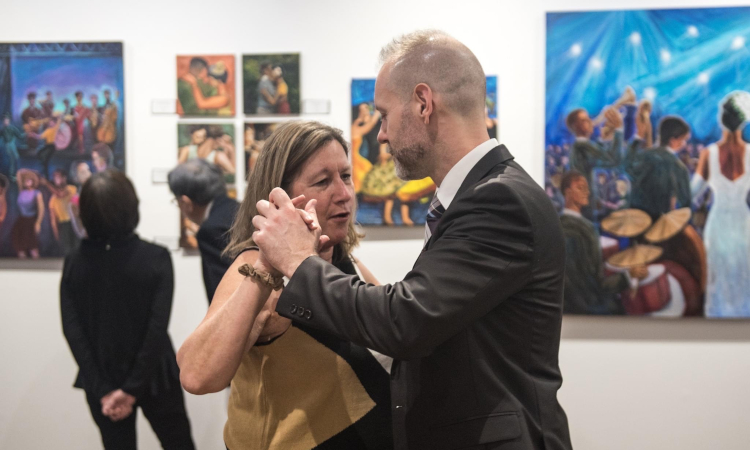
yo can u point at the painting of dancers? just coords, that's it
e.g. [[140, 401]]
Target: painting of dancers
[[213, 142], [62, 113], [271, 84], [255, 137], [647, 161], [383, 198], [205, 86]]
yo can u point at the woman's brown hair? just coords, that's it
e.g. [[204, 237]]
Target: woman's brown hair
[[283, 156]]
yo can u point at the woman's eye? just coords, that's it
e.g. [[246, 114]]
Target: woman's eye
[[321, 182]]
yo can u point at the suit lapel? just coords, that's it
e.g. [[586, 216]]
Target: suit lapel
[[497, 155]]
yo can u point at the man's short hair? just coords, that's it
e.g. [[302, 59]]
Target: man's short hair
[[31, 95], [672, 127], [572, 119], [446, 65], [568, 179], [264, 65], [198, 63], [198, 180]]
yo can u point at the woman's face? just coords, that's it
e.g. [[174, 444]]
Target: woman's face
[[327, 178], [199, 136]]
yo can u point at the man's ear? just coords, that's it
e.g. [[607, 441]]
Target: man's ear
[[423, 95]]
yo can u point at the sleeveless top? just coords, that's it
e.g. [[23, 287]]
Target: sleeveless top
[[193, 154], [306, 390]]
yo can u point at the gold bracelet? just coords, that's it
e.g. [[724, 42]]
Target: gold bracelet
[[275, 283]]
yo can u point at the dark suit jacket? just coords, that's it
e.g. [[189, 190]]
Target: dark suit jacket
[[213, 237], [474, 327], [115, 300]]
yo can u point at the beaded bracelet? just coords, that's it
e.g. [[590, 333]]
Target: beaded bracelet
[[276, 283]]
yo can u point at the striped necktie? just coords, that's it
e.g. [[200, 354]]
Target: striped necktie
[[434, 214]]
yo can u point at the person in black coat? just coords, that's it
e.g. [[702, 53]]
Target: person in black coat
[[201, 194], [115, 300]]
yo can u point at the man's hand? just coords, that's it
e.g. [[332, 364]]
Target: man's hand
[[117, 405], [285, 235], [613, 118]]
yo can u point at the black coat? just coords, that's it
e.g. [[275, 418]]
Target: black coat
[[115, 300], [213, 237], [474, 327]]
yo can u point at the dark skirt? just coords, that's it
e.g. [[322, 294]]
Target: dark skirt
[[23, 235]]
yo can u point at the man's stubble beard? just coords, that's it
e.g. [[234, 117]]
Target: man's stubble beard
[[411, 160]]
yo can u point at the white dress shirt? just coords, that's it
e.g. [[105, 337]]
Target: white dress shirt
[[456, 176]]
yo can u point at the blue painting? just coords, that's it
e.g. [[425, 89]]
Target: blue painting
[[647, 162], [62, 120]]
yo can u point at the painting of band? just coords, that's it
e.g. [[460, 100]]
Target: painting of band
[[62, 120], [647, 162]]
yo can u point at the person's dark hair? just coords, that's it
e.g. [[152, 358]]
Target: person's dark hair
[[568, 179], [198, 180], [31, 95], [104, 152], [198, 63], [62, 173], [215, 131], [79, 94], [732, 116], [109, 206], [672, 127], [48, 93], [572, 119], [193, 128], [264, 65]]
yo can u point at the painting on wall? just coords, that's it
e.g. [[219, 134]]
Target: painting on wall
[[205, 86], [646, 160], [255, 136], [383, 198], [62, 115], [271, 84], [214, 143]]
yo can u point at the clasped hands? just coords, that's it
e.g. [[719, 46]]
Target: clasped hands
[[117, 405], [285, 234]]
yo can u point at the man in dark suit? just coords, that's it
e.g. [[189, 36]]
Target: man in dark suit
[[475, 326], [587, 154], [201, 194], [661, 182]]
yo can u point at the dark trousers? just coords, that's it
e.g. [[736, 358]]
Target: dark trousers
[[165, 412]]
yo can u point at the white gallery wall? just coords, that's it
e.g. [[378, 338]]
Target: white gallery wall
[[629, 383]]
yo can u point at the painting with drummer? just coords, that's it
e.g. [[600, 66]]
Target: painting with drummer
[[62, 109], [647, 161]]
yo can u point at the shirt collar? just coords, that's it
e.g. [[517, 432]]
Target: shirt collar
[[208, 210], [570, 212], [456, 176]]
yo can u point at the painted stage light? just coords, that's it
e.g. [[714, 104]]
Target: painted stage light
[[738, 42], [703, 78], [576, 49], [635, 38], [692, 31], [665, 56]]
